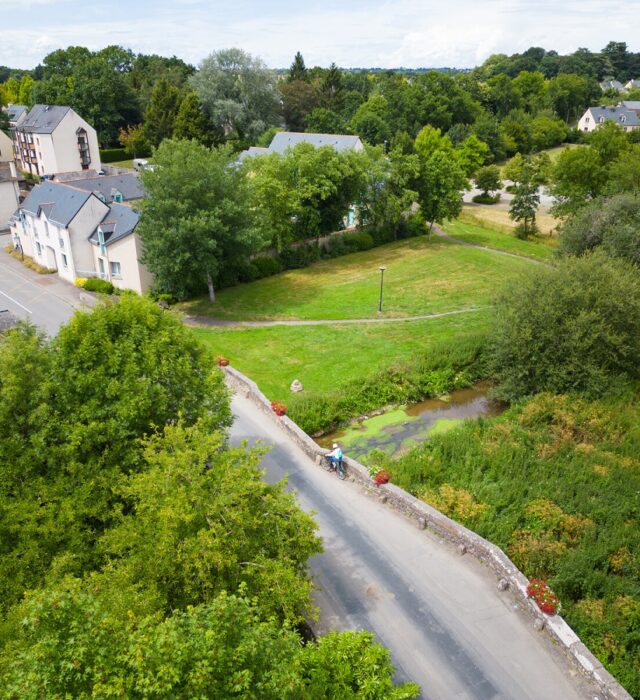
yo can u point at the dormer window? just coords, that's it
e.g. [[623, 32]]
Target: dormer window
[[100, 196], [103, 249], [601, 120], [117, 197], [623, 118]]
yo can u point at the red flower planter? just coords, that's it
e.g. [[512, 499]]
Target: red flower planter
[[543, 596], [278, 408], [382, 477], [222, 361]]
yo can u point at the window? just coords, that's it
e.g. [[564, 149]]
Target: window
[[103, 249], [64, 260], [115, 269], [101, 265], [117, 197], [46, 229], [38, 248], [61, 242]]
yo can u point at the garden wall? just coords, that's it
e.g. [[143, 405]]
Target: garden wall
[[467, 542]]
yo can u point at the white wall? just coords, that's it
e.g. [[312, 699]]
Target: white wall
[[133, 274], [6, 148], [587, 122], [9, 201], [65, 145]]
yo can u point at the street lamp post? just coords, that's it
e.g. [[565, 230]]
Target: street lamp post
[[382, 268]]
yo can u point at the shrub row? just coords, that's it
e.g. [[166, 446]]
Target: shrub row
[[306, 253], [113, 155], [483, 198], [94, 284], [28, 262], [442, 369]]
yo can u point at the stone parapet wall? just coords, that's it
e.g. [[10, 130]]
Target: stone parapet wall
[[467, 542]]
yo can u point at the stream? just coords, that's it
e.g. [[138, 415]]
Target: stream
[[399, 430]]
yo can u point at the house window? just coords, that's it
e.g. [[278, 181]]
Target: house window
[[103, 249], [117, 197], [115, 269], [64, 260], [587, 120], [38, 248], [46, 229], [101, 265], [601, 120], [61, 242]]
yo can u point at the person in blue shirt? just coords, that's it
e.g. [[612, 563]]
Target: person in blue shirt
[[335, 455]]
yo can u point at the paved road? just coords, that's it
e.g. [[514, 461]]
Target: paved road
[[45, 300], [448, 627]]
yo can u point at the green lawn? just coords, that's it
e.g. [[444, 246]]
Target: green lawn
[[422, 277], [324, 357], [536, 249]]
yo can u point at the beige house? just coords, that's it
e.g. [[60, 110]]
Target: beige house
[[81, 233], [52, 139], [627, 119], [6, 148], [9, 192]]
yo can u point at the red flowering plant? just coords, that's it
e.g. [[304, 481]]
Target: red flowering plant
[[381, 477], [544, 597], [222, 361], [278, 408]]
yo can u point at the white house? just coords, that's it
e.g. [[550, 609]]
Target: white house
[[628, 119], [6, 148], [52, 139], [59, 225], [632, 85]]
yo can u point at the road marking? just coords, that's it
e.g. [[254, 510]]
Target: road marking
[[16, 302]]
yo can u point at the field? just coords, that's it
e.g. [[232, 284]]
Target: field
[[324, 357], [422, 277], [496, 217]]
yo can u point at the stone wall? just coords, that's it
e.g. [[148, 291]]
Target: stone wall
[[466, 541]]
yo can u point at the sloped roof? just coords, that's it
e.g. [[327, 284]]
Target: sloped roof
[[608, 84], [43, 119], [630, 104], [129, 185], [288, 139], [253, 151], [59, 203], [118, 222], [619, 115], [15, 112]]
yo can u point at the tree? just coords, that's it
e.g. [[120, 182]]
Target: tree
[[161, 113], [472, 153], [332, 88], [134, 141], [238, 92], [524, 206], [299, 98], [488, 179], [547, 131], [194, 220], [609, 140], [569, 95], [25, 93], [611, 224], [370, 121], [297, 71], [440, 186], [109, 378], [191, 122], [10, 91], [577, 177], [623, 173], [532, 88], [324, 121], [570, 328]]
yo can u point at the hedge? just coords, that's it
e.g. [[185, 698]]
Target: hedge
[[113, 155]]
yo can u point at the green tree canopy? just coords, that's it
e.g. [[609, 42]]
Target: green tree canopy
[[160, 115], [192, 122], [574, 327], [238, 92], [195, 219]]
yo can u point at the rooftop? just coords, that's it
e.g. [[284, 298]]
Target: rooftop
[[620, 115], [59, 203], [43, 119], [129, 186], [118, 222]]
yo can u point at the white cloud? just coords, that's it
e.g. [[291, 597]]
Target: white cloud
[[397, 32]]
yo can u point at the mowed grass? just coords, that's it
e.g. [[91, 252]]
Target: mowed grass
[[472, 233], [422, 277], [324, 357]]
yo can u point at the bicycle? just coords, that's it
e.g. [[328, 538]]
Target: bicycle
[[338, 467]]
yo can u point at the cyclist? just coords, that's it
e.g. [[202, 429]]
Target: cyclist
[[335, 456]]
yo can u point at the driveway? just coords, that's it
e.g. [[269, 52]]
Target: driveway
[[45, 300]]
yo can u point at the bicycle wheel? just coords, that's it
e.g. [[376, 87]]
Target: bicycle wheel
[[327, 465], [341, 471]]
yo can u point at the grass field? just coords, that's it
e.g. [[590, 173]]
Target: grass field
[[496, 217], [422, 276], [325, 357], [538, 249]]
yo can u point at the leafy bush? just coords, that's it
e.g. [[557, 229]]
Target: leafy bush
[[299, 256], [612, 224], [571, 328], [486, 198], [511, 189], [357, 241], [113, 155], [266, 266], [412, 226], [94, 284]]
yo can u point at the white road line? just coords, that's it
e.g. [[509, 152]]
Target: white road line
[[16, 302]]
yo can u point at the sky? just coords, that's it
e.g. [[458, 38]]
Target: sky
[[353, 33]]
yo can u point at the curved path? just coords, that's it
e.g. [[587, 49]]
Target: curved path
[[206, 321], [440, 614]]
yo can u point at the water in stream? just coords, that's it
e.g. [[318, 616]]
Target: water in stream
[[399, 430]]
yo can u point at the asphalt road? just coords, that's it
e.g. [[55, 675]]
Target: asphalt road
[[448, 627], [45, 300]]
